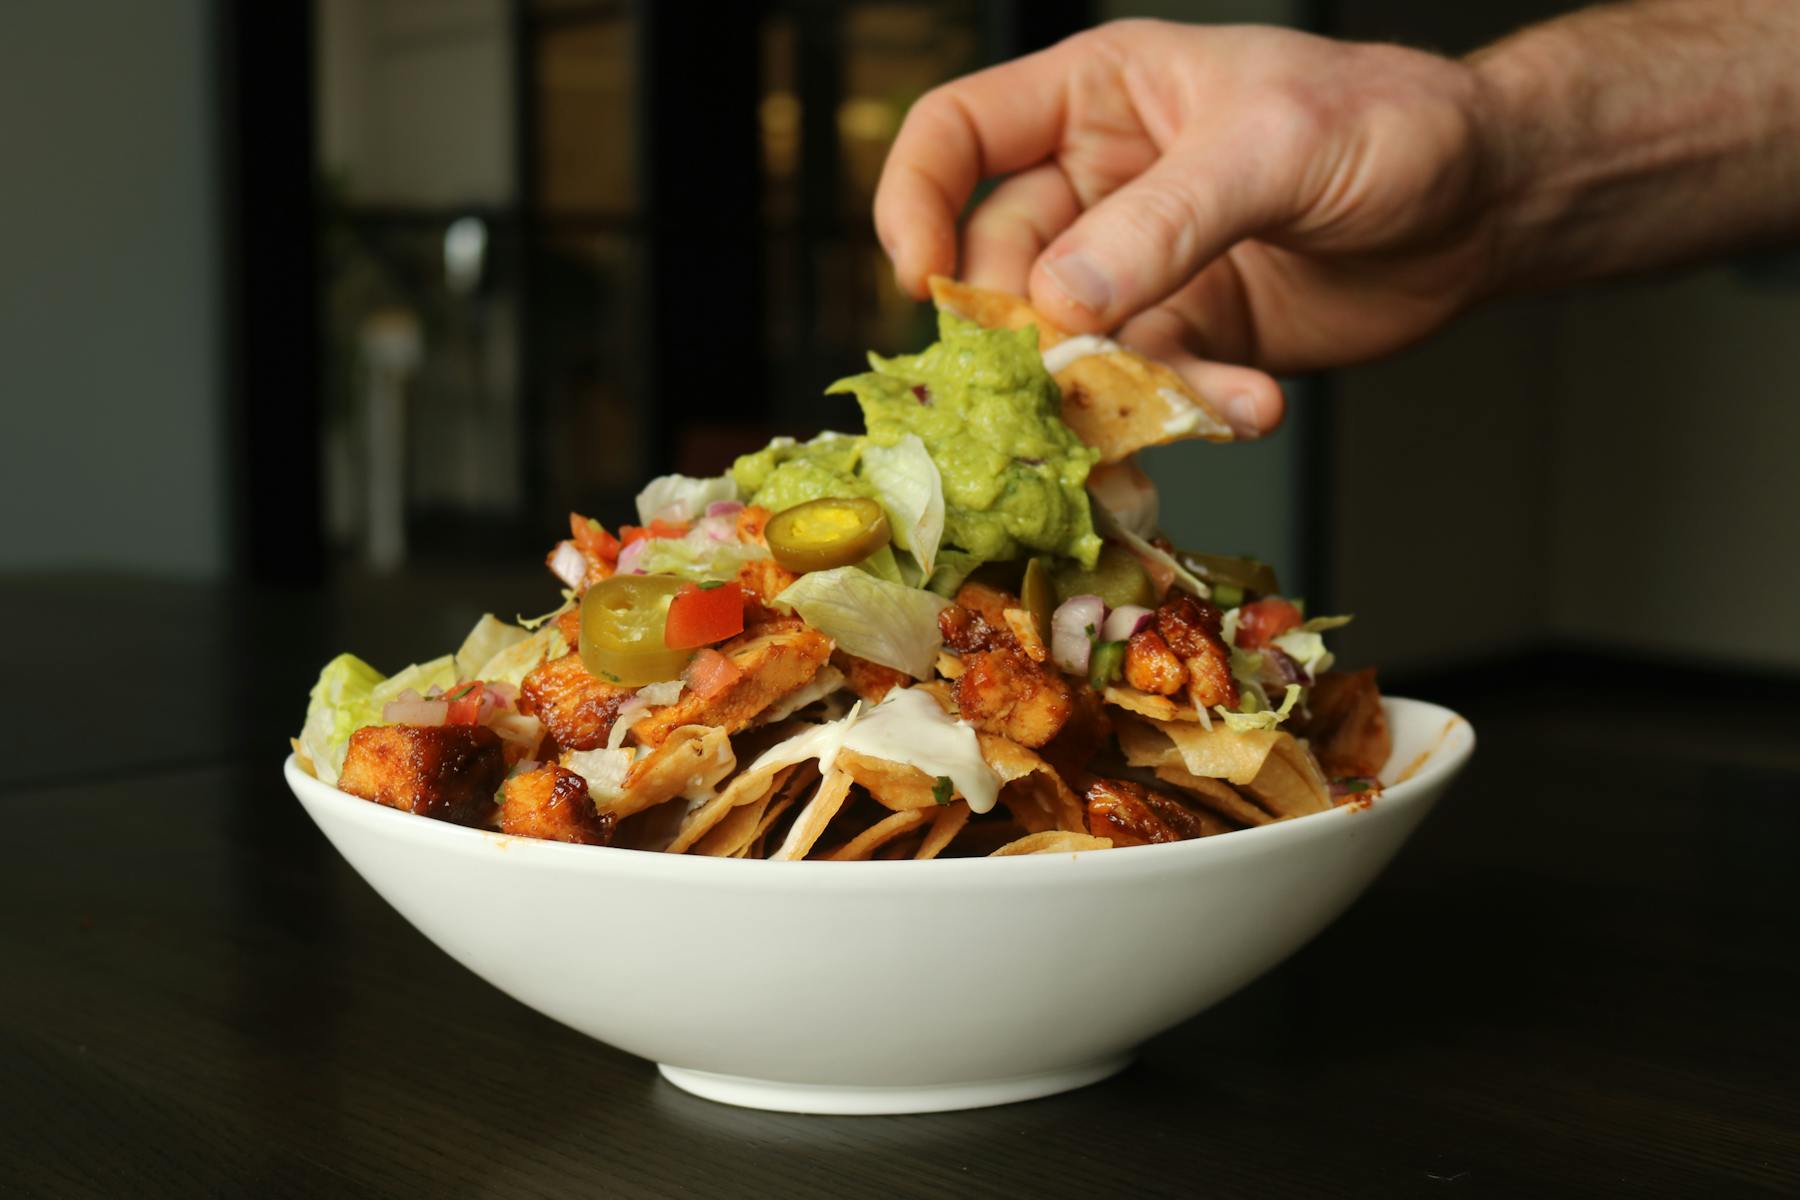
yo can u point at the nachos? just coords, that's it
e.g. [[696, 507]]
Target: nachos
[[955, 633]]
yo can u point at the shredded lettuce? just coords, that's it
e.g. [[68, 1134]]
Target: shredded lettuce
[[1306, 648], [1267, 718], [909, 487], [871, 618], [420, 677], [682, 497], [698, 555], [513, 662], [490, 636], [341, 704], [884, 564], [559, 610], [1325, 624]]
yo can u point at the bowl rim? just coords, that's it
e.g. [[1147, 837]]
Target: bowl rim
[[1440, 761]]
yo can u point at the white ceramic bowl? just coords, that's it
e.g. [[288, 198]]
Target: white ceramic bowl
[[883, 987]]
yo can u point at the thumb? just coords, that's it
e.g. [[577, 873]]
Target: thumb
[[1144, 241]]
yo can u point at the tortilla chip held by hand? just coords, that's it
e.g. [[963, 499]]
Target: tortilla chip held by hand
[[1115, 399]]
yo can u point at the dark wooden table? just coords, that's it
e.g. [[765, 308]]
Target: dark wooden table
[[1579, 979]]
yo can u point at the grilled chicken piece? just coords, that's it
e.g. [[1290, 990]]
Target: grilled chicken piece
[[1088, 728], [966, 631], [448, 772], [989, 603], [577, 708], [552, 803], [775, 660], [870, 680], [763, 578], [569, 625], [1150, 666], [1004, 692], [1001, 690], [1345, 725], [1191, 628], [1134, 815]]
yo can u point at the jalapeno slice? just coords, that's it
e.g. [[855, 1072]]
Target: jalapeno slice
[[821, 534], [622, 621], [1038, 596], [1116, 577], [1245, 574]]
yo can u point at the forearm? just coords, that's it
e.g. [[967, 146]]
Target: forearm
[[1641, 135]]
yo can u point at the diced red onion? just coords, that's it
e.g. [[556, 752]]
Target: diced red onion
[[487, 706], [1280, 667], [628, 557], [569, 564], [416, 712], [508, 694], [719, 529], [1072, 630], [1124, 621], [724, 508]]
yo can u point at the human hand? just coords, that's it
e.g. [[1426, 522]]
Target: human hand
[[1234, 200]]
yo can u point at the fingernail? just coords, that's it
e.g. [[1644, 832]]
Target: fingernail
[[1242, 413], [1081, 281]]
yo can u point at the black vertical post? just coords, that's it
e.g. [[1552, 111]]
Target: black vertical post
[[701, 200], [534, 451], [265, 72]]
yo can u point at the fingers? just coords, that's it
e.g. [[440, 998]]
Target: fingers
[[1249, 400], [994, 122], [1009, 229], [1144, 241]]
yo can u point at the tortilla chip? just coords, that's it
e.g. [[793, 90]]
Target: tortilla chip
[[1056, 841], [1115, 400], [1221, 797], [899, 786], [945, 825], [1272, 767], [814, 817], [949, 665], [864, 845], [900, 848], [1291, 784], [1031, 789], [690, 762], [747, 788], [1149, 704], [734, 832]]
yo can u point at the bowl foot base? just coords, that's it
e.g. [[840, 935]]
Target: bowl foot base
[[830, 1099]]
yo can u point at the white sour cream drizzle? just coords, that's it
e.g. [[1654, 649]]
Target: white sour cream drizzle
[[1073, 349], [906, 727]]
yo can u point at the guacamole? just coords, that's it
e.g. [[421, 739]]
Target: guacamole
[[785, 472], [1014, 476]]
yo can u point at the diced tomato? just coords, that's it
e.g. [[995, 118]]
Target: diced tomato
[[708, 673], [1262, 621], [632, 533], [701, 616], [465, 704], [591, 538], [660, 528]]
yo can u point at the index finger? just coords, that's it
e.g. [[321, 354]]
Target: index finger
[[993, 122]]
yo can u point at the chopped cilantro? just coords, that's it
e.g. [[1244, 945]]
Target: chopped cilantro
[[942, 789], [462, 691], [710, 584]]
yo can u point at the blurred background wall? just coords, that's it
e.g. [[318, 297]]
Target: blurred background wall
[[111, 333], [372, 292]]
